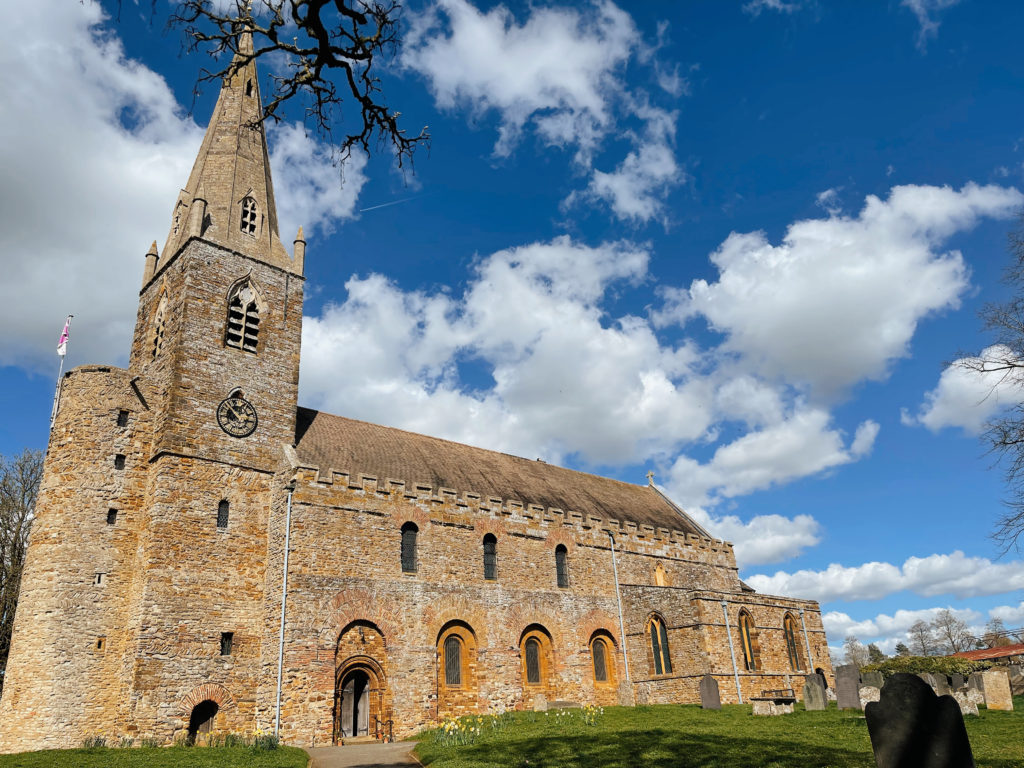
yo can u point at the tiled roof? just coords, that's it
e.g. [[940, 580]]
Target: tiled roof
[[347, 445], [993, 653]]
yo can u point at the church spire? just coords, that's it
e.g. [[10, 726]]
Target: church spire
[[229, 198]]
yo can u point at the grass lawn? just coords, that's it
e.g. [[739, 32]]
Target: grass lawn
[[686, 735], [158, 757]]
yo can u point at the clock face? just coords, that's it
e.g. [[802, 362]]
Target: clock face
[[237, 417]]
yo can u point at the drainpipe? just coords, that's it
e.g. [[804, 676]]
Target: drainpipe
[[618, 597], [807, 642], [284, 598], [732, 653]]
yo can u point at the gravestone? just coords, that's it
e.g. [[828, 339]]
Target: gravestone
[[997, 689], [911, 727], [956, 681], [868, 693], [974, 696], [770, 707], [975, 683], [1016, 680], [847, 686], [874, 679], [941, 685], [967, 706], [814, 693], [928, 678], [709, 698]]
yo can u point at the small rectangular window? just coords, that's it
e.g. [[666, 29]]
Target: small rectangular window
[[99, 578], [111, 516], [122, 418], [101, 643], [227, 639], [119, 461]]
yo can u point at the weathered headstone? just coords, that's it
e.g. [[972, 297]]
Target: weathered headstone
[[769, 707], [868, 693], [974, 682], [997, 689], [540, 703], [967, 706], [1016, 680], [814, 693], [928, 678], [709, 697], [956, 681], [975, 696], [941, 685], [874, 679], [911, 727], [847, 686]]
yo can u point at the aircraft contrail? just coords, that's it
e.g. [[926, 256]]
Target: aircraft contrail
[[385, 205]]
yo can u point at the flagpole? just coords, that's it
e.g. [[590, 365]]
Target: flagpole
[[60, 372]]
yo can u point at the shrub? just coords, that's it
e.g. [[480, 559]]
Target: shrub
[[939, 665]]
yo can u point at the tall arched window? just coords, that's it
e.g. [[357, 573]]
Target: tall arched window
[[452, 660], [747, 640], [792, 648], [409, 531], [243, 326], [532, 649], [659, 646], [562, 565], [250, 216], [223, 509], [599, 650], [490, 557], [159, 326]]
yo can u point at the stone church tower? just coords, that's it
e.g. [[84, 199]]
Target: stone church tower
[[424, 578]]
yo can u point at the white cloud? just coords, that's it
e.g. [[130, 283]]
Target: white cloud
[[1012, 615], [953, 574], [885, 630], [840, 297], [85, 192], [559, 73], [762, 539], [310, 186], [926, 12], [754, 7], [967, 398], [801, 445]]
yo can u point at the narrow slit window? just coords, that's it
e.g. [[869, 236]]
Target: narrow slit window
[[227, 641], [248, 88], [452, 661], [533, 661], [490, 557], [409, 531], [600, 652], [223, 511], [101, 643], [562, 565], [119, 461], [111, 516], [243, 325], [122, 418], [99, 578], [250, 213]]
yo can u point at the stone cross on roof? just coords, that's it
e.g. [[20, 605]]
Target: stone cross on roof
[[650, 477]]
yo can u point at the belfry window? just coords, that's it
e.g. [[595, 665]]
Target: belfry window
[[158, 327], [409, 531], [250, 213], [562, 565], [452, 660], [243, 327], [490, 557], [747, 639], [659, 646]]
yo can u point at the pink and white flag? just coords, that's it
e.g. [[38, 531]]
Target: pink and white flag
[[62, 345]]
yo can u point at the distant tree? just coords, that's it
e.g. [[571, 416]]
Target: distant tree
[[995, 635], [854, 652], [902, 649], [320, 54], [875, 654], [19, 486], [1004, 433], [922, 638], [951, 633]]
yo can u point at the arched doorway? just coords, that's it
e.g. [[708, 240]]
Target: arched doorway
[[201, 719], [354, 712]]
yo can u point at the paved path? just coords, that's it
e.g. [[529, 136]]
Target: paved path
[[394, 755]]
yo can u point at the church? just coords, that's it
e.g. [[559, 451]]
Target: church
[[210, 557]]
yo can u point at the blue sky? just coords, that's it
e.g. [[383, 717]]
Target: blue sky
[[730, 242]]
